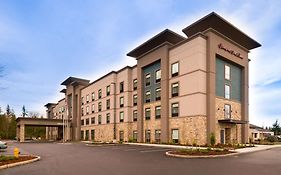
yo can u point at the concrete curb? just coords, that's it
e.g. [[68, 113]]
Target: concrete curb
[[20, 163]]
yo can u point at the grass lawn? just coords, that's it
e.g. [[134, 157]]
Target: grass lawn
[[12, 159]]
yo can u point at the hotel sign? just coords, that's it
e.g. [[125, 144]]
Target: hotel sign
[[232, 52]]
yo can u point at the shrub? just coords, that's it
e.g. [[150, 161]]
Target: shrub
[[271, 139], [213, 139]]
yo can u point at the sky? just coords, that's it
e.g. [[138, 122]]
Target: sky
[[44, 42]]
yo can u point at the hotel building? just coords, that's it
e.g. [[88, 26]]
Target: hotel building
[[182, 90]]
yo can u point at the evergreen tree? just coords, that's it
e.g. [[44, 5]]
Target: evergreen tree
[[24, 113], [8, 110], [276, 128]]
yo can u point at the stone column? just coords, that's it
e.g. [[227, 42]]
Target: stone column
[[22, 130]]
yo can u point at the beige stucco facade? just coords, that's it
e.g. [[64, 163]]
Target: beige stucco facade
[[200, 110]]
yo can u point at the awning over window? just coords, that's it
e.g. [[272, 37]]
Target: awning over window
[[232, 121]]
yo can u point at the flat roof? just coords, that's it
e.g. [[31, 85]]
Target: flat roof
[[219, 24], [74, 80], [164, 36]]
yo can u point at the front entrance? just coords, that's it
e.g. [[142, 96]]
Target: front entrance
[[227, 135], [222, 137]]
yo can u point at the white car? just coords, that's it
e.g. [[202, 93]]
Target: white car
[[3, 145]]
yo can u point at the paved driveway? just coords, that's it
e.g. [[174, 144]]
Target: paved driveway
[[78, 159]]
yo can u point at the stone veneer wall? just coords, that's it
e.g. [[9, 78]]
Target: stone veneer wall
[[192, 129], [235, 114]]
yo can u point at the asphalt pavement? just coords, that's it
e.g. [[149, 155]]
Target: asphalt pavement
[[77, 158]]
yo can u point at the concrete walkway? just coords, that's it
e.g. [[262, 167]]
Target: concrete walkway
[[239, 151]]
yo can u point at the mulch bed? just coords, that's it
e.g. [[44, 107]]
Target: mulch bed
[[20, 159], [201, 153]]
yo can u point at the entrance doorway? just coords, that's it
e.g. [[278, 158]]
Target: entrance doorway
[[227, 135]]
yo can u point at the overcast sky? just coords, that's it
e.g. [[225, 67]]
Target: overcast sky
[[42, 42]]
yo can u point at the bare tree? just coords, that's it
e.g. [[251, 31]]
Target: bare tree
[[34, 114]]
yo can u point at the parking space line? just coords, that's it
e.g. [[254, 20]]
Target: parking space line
[[154, 150]]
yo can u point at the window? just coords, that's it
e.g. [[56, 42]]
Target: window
[[135, 136], [135, 84], [227, 111], [227, 72], [158, 94], [147, 79], [87, 110], [175, 69], [87, 99], [147, 96], [93, 108], [82, 111], [99, 93], [87, 121], [121, 87], [158, 112], [121, 102], [121, 116], [82, 100], [121, 134], [108, 104], [93, 96], [87, 135], [175, 89], [157, 135], [99, 106], [82, 135], [93, 134], [227, 91], [135, 99], [99, 119], [93, 120], [108, 90], [135, 115], [158, 76], [175, 135], [175, 109], [108, 118], [82, 122], [147, 136], [147, 113]]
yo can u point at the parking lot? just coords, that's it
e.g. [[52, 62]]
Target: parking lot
[[77, 158]]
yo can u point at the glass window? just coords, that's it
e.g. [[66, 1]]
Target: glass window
[[87, 110], [99, 106], [175, 89], [158, 76], [82, 135], [108, 90], [87, 98], [99, 119], [121, 102], [147, 136], [158, 94], [158, 112], [135, 115], [227, 111], [175, 69], [227, 91], [121, 87], [135, 84], [93, 120], [147, 96], [82, 111], [121, 116], [157, 135], [121, 134], [87, 121], [93, 108], [147, 113], [93, 96], [175, 135], [135, 99], [227, 72], [108, 104], [99, 93], [147, 79], [175, 109], [93, 135], [82, 100], [135, 136], [108, 118], [82, 122]]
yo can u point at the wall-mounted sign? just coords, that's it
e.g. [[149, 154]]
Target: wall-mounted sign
[[232, 52]]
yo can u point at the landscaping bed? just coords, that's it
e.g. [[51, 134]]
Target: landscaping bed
[[4, 160], [201, 152]]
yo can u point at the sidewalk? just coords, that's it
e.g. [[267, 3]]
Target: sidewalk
[[238, 151]]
